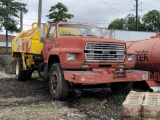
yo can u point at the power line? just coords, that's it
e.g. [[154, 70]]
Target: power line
[[27, 1], [121, 3], [145, 8], [110, 6], [151, 5], [27, 25]]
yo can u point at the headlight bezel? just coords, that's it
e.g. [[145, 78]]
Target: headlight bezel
[[130, 58], [71, 57]]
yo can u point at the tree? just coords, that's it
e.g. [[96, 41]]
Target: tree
[[130, 22], [126, 23], [151, 21], [117, 24], [9, 10], [59, 13]]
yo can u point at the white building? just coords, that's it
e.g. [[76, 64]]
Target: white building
[[127, 35]]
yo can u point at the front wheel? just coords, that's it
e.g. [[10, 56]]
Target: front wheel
[[58, 86], [121, 87]]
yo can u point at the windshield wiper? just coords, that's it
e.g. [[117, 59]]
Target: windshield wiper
[[76, 35], [71, 35], [92, 35]]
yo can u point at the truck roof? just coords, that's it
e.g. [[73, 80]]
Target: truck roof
[[61, 22]]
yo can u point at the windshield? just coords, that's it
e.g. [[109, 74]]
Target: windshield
[[78, 30]]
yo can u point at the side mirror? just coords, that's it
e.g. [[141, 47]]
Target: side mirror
[[42, 32]]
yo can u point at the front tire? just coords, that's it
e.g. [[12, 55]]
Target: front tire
[[58, 86], [121, 87], [20, 73]]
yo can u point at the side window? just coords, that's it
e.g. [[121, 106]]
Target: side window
[[52, 33]]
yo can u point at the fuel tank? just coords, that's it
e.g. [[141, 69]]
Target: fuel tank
[[147, 52]]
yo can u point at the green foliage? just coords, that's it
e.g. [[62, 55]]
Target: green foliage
[[130, 22], [2, 52], [117, 24], [151, 21], [59, 13], [101, 107], [148, 22], [116, 99], [9, 10], [127, 23]]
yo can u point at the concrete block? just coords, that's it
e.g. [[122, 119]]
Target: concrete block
[[136, 95], [151, 105], [151, 94], [132, 106]]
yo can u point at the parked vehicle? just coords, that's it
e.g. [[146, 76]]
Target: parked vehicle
[[147, 52], [70, 54]]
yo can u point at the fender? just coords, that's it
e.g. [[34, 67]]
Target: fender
[[62, 54], [130, 64], [131, 52]]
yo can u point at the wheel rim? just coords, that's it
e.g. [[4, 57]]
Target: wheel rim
[[54, 82], [17, 69]]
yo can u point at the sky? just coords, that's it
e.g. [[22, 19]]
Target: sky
[[98, 12]]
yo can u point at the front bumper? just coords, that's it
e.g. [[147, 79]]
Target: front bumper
[[99, 77]]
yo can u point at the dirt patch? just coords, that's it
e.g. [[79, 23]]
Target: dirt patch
[[32, 100]]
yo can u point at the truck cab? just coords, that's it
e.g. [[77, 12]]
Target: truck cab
[[82, 46]]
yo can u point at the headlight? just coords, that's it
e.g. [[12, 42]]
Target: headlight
[[130, 58], [71, 57]]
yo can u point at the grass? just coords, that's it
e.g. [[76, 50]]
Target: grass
[[112, 106], [116, 99], [2, 63], [43, 111], [112, 102], [100, 107], [44, 108], [2, 52]]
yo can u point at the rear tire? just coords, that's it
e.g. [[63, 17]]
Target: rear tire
[[121, 88], [58, 86], [20, 73]]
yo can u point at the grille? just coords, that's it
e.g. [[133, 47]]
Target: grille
[[104, 52]]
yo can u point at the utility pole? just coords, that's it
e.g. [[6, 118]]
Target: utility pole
[[39, 12], [21, 20], [7, 30], [136, 15]]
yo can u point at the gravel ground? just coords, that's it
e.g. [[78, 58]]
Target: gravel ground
[[31, 100]]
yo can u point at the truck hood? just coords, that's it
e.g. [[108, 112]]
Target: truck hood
[[97, 39], [80, 41]]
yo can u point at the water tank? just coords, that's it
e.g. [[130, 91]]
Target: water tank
[[148, 54]]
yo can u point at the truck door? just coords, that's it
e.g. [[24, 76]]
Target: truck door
[[49, 42]]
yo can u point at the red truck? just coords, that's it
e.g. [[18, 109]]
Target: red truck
[[70, 54]]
